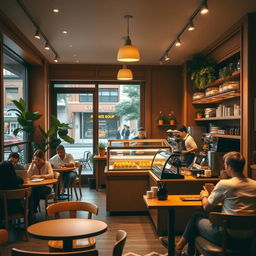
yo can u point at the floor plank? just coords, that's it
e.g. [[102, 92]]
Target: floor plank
[[141, 240]]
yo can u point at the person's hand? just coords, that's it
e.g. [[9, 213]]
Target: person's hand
[[36, 176], [33, 161], [184, 152], [61, 165], [203, 194]]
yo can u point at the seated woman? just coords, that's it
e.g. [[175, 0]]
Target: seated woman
[[10, 180], [40, 168]]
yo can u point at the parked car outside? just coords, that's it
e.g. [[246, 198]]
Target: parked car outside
[[11, 139]]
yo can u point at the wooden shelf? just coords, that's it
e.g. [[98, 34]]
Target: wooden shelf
[[218, 97], [226, 136], [166, 125], [219, 118], [219, 81]]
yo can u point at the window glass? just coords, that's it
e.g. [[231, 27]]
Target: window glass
[[14, 78]]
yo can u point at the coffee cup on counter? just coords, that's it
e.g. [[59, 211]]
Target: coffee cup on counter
[[149, 194], [208, 173], [154, 190]]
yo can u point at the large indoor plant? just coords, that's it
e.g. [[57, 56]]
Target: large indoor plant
[[201, 71], [50, 138]]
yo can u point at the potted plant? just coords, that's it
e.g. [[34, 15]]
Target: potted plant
[[172, 118], [160, 118], [201, 71], [49, 138], [101, 149], [199, 113]]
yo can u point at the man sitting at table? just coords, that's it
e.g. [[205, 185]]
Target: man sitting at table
[[14, 158], [237, 195], [62, 160]]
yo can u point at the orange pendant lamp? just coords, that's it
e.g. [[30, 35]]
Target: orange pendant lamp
[[128, 52], [124, 74]]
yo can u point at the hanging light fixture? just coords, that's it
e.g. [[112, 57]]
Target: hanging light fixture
[[166, 57], [37, 35], [178, 42], [204, 8], [191, 26], [124, 73], [46, 46], [128, 52]]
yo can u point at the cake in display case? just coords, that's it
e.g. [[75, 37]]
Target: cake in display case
[[133, 154], [166, 165]]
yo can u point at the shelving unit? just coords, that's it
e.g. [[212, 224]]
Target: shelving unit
[[235, 75], [219, 118], [225, 136]]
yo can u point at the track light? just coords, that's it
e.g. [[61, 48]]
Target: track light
[[128, 52], [178, 42], [46, 46], [166, 57], [204, 8], [191, 26], [124, 74], [56, 59], [37, 35]]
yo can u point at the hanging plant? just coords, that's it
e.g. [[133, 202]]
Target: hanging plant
[[201, 71]]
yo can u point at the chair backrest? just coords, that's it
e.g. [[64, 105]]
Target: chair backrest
[[3, 236], [87, 155], [121, 236], [19, 252], [236, 227], [79, 166], [72, 207], [23, 193]]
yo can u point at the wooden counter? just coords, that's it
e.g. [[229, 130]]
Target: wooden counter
[[125, 190], [100, 163]]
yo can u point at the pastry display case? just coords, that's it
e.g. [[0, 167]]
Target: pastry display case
[[166, 165], [133, 154]]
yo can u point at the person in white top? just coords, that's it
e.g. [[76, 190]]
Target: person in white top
[[40, 168], [188, 145], [237, 195], [63, 159]]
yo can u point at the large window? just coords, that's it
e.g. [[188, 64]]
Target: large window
[[105, 95], [14, 76]]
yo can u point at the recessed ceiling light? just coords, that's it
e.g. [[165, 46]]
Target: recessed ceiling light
[[77, 61], [64, 32], [70, 45], [55, 10], [74, 55]]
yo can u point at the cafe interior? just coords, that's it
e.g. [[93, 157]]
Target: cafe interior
[[78, 73]]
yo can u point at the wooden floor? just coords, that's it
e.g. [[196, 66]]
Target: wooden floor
[[141, 240]]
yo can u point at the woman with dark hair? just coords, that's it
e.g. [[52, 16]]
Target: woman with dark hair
[[40, 168], [9, 180]]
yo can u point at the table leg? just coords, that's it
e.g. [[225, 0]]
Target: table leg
[[171, 233], [68, 245]]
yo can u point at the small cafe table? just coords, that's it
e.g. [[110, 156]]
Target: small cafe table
[[67, 230], [172, 202]]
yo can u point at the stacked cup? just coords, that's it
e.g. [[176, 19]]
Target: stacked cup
[[152, 193]]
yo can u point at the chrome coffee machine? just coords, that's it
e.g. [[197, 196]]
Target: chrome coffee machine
[[174, 140]]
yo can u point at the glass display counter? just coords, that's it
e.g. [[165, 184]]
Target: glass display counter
[[167, 165], [134, 154]]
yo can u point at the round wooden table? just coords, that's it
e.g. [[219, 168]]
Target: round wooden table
[[64, 169], [67, 230], [44, 182]]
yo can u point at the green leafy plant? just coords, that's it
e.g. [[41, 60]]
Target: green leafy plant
[[160, 116], [101, 146], [49, 139], [171, 116], [199, 110], [201, 71]]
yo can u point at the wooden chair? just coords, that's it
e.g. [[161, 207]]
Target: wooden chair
[[72, 207], [77, 181], [86, 160], [3, 236], [121, 236], [238, 236], [19, 252], [22, 194]]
